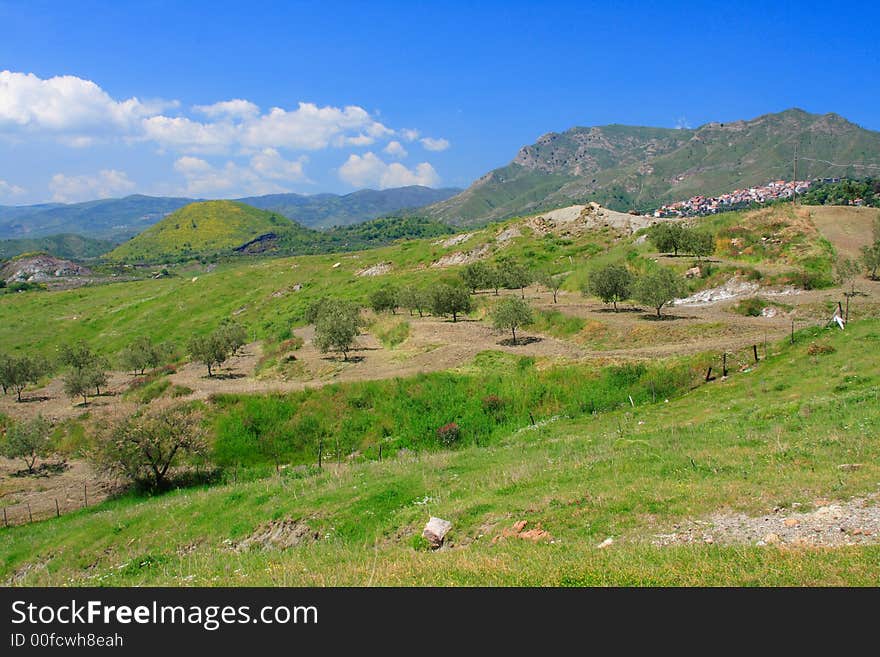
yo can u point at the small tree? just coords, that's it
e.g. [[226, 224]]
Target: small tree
[[234, 334], [494, 278], [450, 300], [78, 383], [871, 259], [17, 372], [658, 287], [514, 275], [611, 283], [27, 440], [336, 327], [413, 299], [210, 350], [700, 243], [384, 299], [5, 369], [667, 237], [510, 314], [141, 354], [476, 276], [145, 446], [553, 282], [78, 355]]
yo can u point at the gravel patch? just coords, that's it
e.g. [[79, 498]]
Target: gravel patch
[[855, 522]]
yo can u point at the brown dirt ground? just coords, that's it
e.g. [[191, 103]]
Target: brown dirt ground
[[847, 228]]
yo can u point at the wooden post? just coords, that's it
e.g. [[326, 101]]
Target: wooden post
[[30, 515], [792, 330], [531, 418], [380, 452], [846, 315], [57, 510], [320, 453], [724, 364], [85, 494], [709, 376], [755, 350], [5, 521]]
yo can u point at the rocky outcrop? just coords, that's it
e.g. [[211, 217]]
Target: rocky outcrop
[[41, 268]]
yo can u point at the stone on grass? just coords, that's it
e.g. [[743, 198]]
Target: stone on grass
[[435, 531]]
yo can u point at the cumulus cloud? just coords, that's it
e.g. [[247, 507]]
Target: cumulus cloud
[[432, 144], [236, 108], [67, 105], [8, 189], [266, 173], [395, 149], [370, 170], [409, 134], [104, 184]]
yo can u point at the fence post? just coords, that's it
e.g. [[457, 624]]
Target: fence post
[[755, 350], [57, 510], [724, 364], [85, 494], [5, 521], [30, 515]]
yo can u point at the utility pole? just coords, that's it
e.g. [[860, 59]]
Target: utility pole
[[794, 196]]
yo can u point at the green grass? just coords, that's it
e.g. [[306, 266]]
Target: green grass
[[405, 414], [391, 333], [758, 440]]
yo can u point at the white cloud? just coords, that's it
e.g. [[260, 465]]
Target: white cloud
[[310, 127], [369, 170], [104, 184], [8, 189], [66, 105], [395, 149], [266, 174], [188, 135], [409, 134], [270, 164], [432, 144], [236, 108]]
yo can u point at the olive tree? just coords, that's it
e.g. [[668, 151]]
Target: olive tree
[[413, 299], [336, 326], [450, 300], [27, 440], [17, 372], [611, 283], [510, 314], [140, 354], [476, 276], [668, 237], [211, 350], [514, 275], [234, 334], [384, 299], [658, 287], [553, 283], [145, 446]]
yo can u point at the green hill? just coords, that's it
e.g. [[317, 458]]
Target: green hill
[[202, 229], [629, 167], [60, 246]]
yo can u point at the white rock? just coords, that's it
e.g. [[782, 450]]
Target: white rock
[[435, 531], [606, 543]]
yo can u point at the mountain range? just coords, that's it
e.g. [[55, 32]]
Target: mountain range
[[119, 219], [639, 168]]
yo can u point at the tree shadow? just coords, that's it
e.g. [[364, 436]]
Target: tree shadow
[[520, 341], [664, 318], [224, 376], [619, 311], [47, 469], [32, 399], [339, 359]]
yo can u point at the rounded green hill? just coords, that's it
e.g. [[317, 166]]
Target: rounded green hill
[[198, 229]]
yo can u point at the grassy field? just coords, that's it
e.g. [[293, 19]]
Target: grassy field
[[771, 437]]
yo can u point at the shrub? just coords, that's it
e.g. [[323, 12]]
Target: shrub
[[818, 348], [449, 434]]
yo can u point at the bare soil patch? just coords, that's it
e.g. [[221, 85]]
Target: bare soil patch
[[831, 524]]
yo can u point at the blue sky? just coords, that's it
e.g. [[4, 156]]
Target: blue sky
[[110, 98]]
